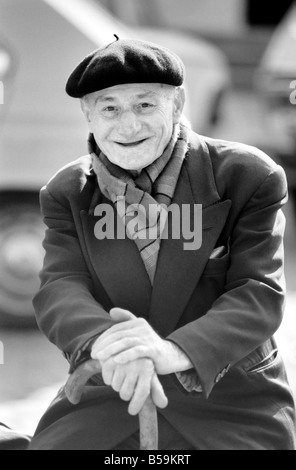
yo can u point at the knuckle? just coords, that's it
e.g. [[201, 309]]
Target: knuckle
[[148, 364], [142, 321], [127, 341], [139, 351]]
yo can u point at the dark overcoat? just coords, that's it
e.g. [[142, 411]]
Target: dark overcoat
[[11, 440], [223, 312]]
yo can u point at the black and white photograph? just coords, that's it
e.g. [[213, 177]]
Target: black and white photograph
[[147, 227]]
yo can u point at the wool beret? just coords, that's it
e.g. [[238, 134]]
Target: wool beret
[[125, 61]]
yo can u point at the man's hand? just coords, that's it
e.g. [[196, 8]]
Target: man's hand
[[132, 339], [134, 382]]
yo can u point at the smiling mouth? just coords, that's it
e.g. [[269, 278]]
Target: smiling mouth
[[132, 144]]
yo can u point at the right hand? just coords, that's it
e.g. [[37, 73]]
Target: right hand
[[134, 381]]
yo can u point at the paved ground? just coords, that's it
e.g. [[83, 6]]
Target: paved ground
[[34, 369]]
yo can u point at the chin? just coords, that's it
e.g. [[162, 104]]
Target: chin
[[135, 166]]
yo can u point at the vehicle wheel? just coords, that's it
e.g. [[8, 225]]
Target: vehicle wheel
[[21, 258]]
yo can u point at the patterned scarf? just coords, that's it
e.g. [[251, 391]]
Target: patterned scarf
[[146, 197]]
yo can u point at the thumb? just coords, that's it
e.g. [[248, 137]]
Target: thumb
[[119, 315]]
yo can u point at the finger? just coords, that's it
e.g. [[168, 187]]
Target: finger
[[141, 394], [119, 337], [113, 336], [120, 315], [121, 328], [118, 379], [135, 352], [119, 347], [128, 387], [157, 393], [108, 369]]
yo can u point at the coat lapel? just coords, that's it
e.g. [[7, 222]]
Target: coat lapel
[[120, 269], [178, 270]]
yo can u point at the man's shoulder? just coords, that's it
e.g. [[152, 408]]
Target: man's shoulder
[[72, 178], [236, 155], [235, 162]]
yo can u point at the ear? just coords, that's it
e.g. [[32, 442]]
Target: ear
[[85, 107], [179, 104]]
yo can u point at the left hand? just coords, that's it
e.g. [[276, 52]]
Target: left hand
[[133, 338], [134, 382]]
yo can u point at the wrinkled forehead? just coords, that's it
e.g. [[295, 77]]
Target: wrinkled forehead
[[132, 91]]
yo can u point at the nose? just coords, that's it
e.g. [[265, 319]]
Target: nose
[[129, 124]]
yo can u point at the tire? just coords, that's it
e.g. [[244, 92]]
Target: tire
[[21, 258]]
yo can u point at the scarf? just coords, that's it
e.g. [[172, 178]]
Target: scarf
[[148, 195]]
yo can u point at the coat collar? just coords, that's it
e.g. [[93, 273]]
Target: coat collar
[[119, 266]]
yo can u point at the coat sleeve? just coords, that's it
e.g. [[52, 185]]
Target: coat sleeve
[[251, 308], [66, 310]]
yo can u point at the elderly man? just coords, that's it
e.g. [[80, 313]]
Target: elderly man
[[191, 324]]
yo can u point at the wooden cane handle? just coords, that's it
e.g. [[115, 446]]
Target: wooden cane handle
[[77, 381], [147, 416]]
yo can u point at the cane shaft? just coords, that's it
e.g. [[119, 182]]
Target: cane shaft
[[147, 416]]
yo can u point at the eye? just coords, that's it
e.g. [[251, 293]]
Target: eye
[[110, 111], [145, 107]]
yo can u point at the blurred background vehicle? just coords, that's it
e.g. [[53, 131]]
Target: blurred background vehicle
[[276, 83], [41, 129]]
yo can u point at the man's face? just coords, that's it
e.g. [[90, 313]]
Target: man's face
[[132, 124]]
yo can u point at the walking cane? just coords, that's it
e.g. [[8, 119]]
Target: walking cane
[[147, 416]]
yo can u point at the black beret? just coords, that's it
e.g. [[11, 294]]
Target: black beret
[[125, 61]]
